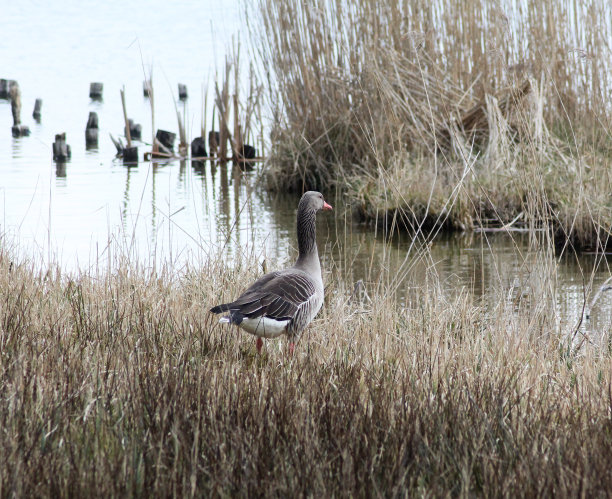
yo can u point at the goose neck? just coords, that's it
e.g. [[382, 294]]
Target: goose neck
[[306, 235]]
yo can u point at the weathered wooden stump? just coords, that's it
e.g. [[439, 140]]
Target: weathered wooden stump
[[166, 139], [95, 90], [61, 150], [130, 155], [92, 121], [245, 156], [5, 88], [15, 95], [248, 152], [36, 114], [18, 129], [182, 91], [135, 130], [213, 142], [91, 138], [146, 88], [198, 148], [91, 130]]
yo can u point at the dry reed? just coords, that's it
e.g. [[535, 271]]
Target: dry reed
[[121, 383], [502, 109]]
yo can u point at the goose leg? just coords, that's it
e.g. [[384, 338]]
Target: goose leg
[[259, 344]]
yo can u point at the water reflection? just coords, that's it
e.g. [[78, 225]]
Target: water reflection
[[17, 146], [60, 169], [170, 209]]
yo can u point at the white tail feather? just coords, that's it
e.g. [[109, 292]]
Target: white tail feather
[[224, 319]]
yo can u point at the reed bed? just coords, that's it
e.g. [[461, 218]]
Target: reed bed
[[490, 105], [121, 383]]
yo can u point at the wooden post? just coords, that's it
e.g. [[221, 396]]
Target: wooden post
[[182, 91], [15, 94], [198, 147], [61, 150], [91, 130], [130, 155], [4, 89], [18, 129], [95, 90], [248, 152], [37, 110], [166, 139]]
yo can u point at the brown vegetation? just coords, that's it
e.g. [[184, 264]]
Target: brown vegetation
[[123, 384], [502, 107]]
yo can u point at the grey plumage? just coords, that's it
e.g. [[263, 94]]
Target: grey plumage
[[284, 302]]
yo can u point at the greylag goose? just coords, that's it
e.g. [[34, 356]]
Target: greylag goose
[[285, 301]]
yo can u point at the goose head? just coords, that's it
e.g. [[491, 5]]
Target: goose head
[[313, 201]]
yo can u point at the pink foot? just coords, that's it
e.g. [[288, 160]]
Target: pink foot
[[259, 344], [291, 348]]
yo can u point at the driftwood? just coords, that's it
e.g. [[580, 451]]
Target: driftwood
[[61, 150]]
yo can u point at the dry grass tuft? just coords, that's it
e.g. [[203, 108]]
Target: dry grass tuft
[[123, 384]]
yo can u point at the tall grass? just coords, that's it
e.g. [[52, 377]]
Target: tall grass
[[499, 106], [122, 383]]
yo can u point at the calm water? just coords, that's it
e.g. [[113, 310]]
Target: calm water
[[173, 212]]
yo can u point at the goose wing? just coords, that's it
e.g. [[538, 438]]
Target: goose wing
[[277, 295]]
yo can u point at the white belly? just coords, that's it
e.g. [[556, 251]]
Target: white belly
[[264, 327]]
